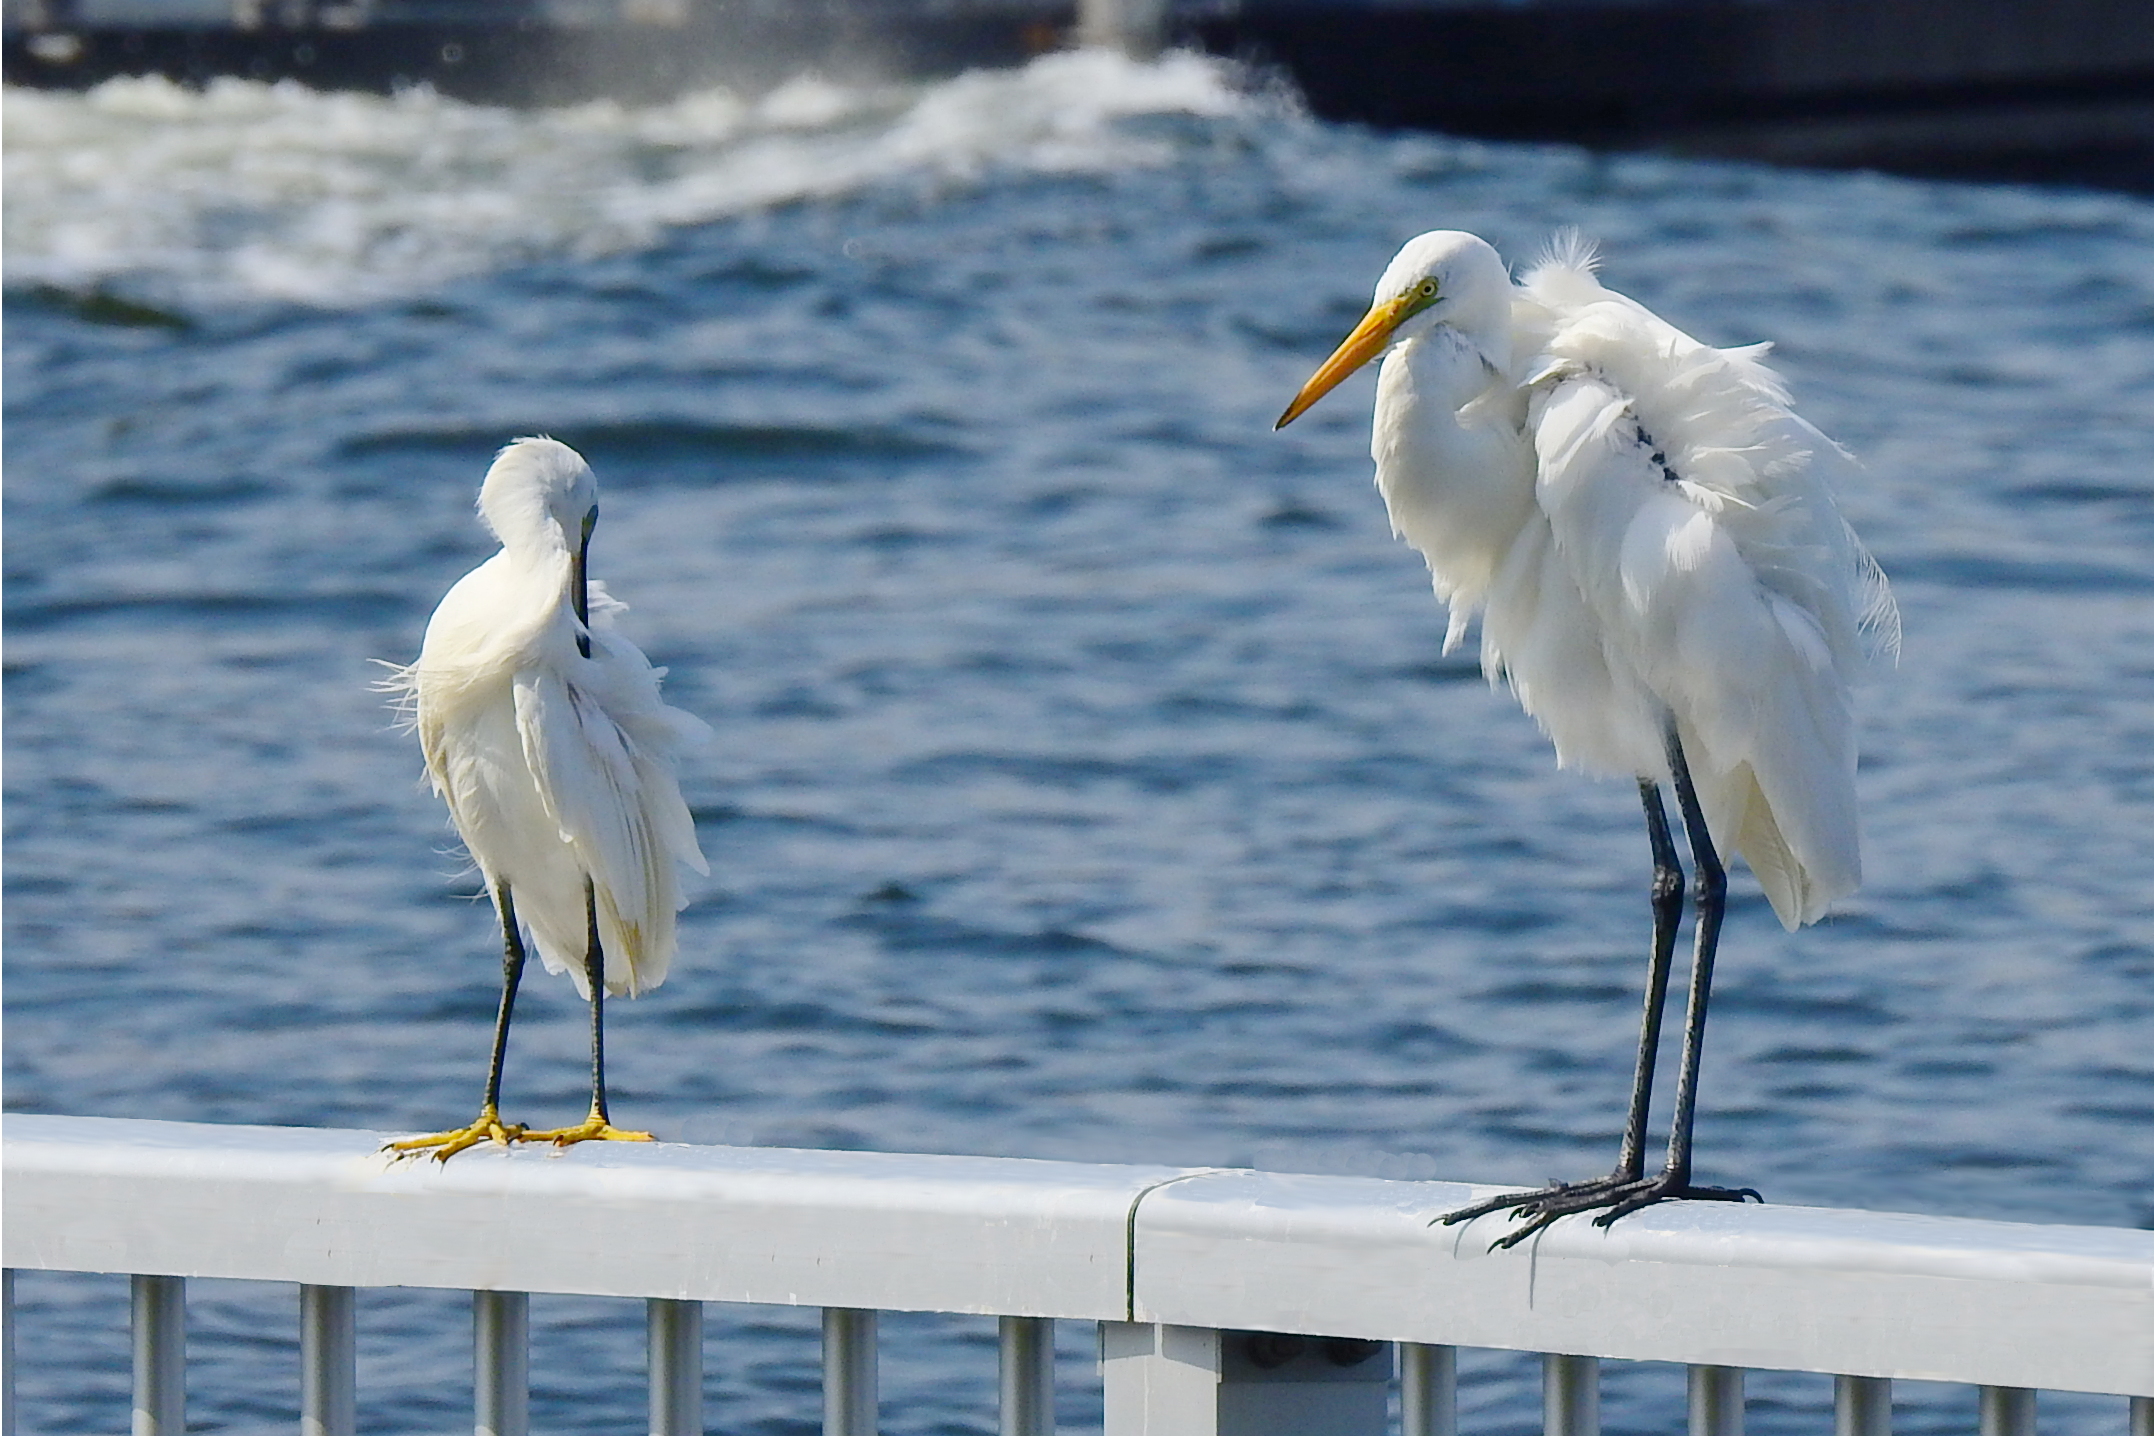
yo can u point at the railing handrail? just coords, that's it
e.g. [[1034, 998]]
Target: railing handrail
[[1792, 1288]]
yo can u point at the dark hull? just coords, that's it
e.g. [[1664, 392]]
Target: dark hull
[[528, 61], [2045, 90], [2041, 90]]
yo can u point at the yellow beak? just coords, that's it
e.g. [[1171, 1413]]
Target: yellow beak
[[1358, 348]]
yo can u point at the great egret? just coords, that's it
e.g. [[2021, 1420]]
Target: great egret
[[544, 732], [1648, 533]]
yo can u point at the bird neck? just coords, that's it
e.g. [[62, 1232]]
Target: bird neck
[[530, 530], [1438, 399], [1451, 461], [1446, 367], [541, 569]]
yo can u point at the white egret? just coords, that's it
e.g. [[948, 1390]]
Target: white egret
[[1648, 534], [544, 732]]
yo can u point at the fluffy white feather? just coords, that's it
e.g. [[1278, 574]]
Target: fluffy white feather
[[1648, 533], [1644, 528], [556, 767]]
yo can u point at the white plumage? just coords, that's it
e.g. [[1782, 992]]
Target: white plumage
[[1689, 506], [1643, 525], [545, 734], [1647, 533]]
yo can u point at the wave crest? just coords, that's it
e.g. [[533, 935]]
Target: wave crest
[[250, 191]]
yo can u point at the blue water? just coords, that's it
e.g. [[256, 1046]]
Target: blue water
[[1089, 782]]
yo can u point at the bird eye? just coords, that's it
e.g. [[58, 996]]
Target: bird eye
[[1427, 289]]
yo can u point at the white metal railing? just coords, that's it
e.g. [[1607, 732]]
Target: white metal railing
[[1230, 1303]]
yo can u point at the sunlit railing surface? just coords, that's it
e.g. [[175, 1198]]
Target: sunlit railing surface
[[1230, 1303]]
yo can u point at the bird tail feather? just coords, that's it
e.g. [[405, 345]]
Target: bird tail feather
[[1759, 839]]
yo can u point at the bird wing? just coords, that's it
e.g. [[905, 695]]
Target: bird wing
[[1719, 583], [603, 766]]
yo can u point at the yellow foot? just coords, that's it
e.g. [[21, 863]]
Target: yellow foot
[[594, 1129], [488, 1128]]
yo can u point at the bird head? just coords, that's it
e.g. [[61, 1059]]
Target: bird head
[[539, 495], [540, 498], [1445, 277]]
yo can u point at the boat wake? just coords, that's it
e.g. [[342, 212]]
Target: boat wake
[[245, 192]]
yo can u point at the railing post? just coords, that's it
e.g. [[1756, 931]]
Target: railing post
[[1570, 1395], [1716, 1401], [1027, 1346], [1194, 1381], [1861, 1406], [160, 1331], [676, 1366], [328, 1362], [2007, 1411], [501, 1363], [1159, 1380], [1428, 1390], [7, 1352], [2142, 1416], [849, 1388]]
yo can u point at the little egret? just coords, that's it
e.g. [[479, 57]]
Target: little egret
[[1648, 534], [544, 732]]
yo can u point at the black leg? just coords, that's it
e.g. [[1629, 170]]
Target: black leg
[[1667, 916], [488, 1126], [1667, 903], [512, 976], [1712, 898], [594, 969], [598, 1126], [1628, 1189], [1711, 894]]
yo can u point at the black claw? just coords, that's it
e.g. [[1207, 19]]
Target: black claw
[[1624, 1208], [1620, 1193], [1512, 1239], [1479, 1209]]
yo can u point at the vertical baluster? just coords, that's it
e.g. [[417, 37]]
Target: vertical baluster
[[1027, 1346], [849, 1394], [328, 1362], [160, 1331], [1861, 1406], [676, 1363], [2006, 1411], [1716, 1401], [7, 1352], [501, 1363], [2142, 1416], [1428, 1390], [1571, 1395]]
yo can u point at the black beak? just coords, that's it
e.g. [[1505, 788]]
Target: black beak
[[580, 584]]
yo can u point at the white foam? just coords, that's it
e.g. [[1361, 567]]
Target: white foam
[[252, 191]]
